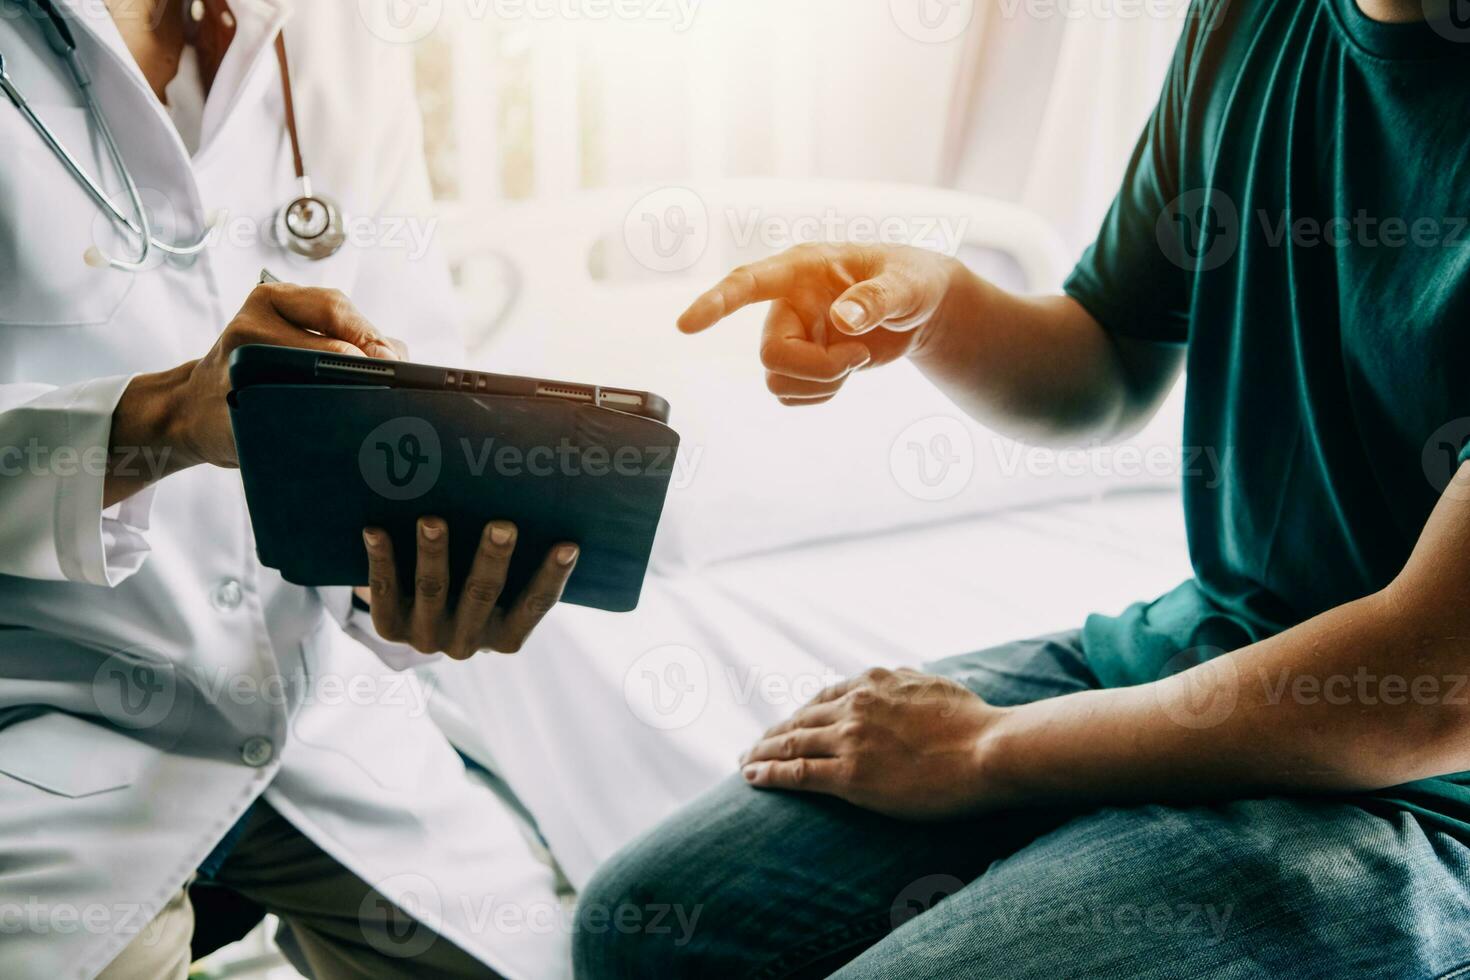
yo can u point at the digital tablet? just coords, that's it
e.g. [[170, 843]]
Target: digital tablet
[[329, 445], [256, 364]]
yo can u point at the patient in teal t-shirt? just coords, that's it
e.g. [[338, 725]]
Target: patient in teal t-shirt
[[1258, 774]]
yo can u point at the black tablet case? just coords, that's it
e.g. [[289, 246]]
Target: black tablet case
[[315, 463]]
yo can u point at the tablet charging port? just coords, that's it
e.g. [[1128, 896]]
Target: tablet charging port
[[619, 399]]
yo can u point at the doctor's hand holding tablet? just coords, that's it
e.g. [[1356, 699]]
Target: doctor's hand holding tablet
[[184, 416]]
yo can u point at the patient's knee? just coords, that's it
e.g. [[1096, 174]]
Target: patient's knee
[[632, 920], [678, 903]]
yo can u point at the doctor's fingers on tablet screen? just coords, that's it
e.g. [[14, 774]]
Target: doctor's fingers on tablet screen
[[430, 620], [276, 313], [308, 316], [836, 309]]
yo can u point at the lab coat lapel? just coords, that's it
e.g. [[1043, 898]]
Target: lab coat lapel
[[157, 157], [257, 24], [150, 144]]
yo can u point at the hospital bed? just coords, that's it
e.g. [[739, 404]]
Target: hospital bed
[[799, 545]]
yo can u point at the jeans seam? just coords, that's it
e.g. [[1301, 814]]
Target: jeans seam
[[828, 942], [1459, 971]]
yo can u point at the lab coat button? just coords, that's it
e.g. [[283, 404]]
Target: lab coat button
[[227, 596], [257, 751]]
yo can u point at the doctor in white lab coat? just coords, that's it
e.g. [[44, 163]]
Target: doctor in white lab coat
[[156, 682]]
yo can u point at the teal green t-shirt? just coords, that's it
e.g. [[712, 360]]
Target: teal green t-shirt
[[1297, 212]]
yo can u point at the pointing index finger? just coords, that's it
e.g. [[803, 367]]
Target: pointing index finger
[[758, 282]]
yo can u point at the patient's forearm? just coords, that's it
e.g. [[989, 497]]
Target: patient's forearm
[[1040, 368], [1362, 697]]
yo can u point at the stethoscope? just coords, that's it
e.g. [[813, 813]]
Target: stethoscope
[[309, 224]]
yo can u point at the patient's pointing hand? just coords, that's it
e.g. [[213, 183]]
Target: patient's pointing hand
[[430, 620], [835, 309]]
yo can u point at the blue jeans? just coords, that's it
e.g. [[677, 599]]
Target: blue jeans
[[752, 884]]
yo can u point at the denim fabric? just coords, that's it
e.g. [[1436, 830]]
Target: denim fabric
[[752, 884]]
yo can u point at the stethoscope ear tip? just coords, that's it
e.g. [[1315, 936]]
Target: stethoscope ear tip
[[93, 256]]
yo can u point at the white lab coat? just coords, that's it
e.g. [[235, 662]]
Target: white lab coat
[[154, 677]]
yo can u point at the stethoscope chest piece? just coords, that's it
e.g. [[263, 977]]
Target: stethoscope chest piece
[[311, 225]]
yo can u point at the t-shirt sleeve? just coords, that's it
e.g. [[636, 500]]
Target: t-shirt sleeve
[[1133, 279]]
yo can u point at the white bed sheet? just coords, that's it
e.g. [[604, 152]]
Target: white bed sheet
[[606, 723]]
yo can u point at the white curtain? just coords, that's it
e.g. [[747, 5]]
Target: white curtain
[[1047, 108], [1035, 101]]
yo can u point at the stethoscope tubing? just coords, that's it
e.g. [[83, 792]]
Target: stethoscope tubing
[[62, 42], [140, 227], [59, 38]]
